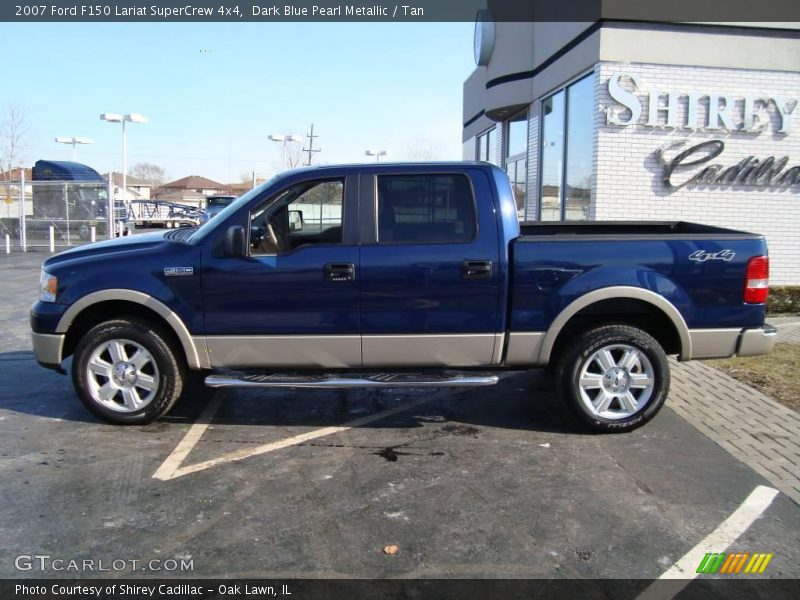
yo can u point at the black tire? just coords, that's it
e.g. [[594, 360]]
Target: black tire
[[618, 416], [167, 362]]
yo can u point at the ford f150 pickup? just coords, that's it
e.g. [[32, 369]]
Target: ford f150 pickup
[[399, 275]]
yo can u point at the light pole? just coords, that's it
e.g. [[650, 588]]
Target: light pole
[[376, 153], [118, 118], [284, 138], [73, 141]]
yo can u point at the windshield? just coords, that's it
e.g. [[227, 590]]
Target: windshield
[[209, 226]]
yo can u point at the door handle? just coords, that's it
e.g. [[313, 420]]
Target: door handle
[[476, 269], [340, 272]]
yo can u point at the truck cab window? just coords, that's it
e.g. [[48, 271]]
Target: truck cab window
[[425, 209], [308, 213]]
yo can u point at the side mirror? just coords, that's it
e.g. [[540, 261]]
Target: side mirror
[[235, 242], [295, 220]]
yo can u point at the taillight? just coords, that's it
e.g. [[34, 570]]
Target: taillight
[[756, 287]]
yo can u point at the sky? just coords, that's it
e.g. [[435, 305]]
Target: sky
[[212, 93]]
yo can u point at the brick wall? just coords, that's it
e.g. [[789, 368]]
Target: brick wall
[[627, 171]]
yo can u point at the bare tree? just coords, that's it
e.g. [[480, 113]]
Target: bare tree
[[421, 148], [153, 174], [14, 132], [294, 155]]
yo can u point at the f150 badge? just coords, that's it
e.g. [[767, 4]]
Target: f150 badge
[[703, 256], [178, 271]]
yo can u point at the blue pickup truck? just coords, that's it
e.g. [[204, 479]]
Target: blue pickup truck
[[393, 275]]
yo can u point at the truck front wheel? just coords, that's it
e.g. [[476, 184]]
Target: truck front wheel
[[613, 378], [126, 372]]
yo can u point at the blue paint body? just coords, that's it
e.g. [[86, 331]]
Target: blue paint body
[[406, 288]]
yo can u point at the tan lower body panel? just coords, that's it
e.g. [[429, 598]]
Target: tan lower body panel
[[298, 351], [523, 348], [48, 348], [713, 343], [456, 350]]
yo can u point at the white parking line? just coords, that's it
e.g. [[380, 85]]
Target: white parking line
[[175, 459], [171, 467], [682, 572]]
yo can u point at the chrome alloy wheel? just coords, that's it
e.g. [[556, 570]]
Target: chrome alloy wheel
[[616, 381], [122, 376]]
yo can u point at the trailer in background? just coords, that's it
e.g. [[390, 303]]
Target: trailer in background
[[162, 213]]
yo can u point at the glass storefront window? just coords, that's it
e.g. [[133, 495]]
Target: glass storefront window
[[516, 158], [578, 188], [487, 146], [566, 182], [516, 170], [517, 128], [552, 157]]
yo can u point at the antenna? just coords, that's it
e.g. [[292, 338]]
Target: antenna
[[311, 148]]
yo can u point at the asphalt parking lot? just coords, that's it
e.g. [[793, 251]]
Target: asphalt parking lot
[[484, 483]]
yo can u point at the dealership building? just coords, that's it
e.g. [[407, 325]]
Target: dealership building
[[623, 120]]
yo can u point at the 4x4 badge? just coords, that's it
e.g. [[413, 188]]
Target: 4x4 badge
[[703, 256]]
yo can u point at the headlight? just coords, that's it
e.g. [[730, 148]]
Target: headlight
[[48, 286]]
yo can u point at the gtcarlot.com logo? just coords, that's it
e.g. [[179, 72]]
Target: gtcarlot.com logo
[[47, 562], [734, 563]]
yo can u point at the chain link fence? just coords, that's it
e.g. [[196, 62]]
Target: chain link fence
[[10, 215], [52, 215]]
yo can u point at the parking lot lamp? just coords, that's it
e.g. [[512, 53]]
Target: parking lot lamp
[[118, 118], [73, 141], [376, 153]]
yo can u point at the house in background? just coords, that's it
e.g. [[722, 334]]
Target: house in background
[[15, 174], [137, 189], [241, 187], [193, 183], [191, 190]]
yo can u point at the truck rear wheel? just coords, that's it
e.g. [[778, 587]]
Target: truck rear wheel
[[126, 372], [613, 378]]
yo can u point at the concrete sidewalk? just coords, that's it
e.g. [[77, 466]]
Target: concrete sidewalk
[[752, 427], [788, 328]]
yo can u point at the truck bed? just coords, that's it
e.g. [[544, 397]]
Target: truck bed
[[632, 230]]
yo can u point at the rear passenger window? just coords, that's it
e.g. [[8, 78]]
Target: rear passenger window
[[425, 209]]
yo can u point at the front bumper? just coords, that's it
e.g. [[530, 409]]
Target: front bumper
[[753, 342], [48, 348]]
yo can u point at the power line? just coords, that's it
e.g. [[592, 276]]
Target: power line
[[149, 155]]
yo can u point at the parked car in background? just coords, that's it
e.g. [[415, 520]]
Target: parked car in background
[[394, 275], [215, 205]]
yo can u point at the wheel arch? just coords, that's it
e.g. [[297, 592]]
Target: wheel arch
[[569, 317], [107, 304]]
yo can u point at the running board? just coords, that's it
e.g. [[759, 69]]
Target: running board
[[373, 380]]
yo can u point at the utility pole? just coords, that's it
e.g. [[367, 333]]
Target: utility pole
[[311, 148]]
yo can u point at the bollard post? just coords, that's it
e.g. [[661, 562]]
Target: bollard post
[[120, 233], [93, 234], [23, 235], [52, 239], [8, 244], [110, 210]]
